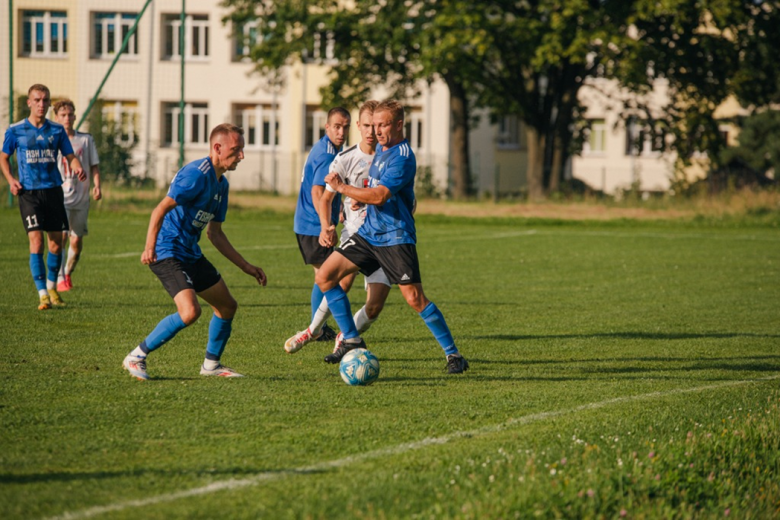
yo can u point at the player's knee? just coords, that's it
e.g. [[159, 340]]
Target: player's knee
[[373, 309], [324, 280], [190, 315], [229, 309]]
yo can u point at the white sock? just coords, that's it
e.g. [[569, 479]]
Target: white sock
[[73, 259], [137, 352], [43, 292], [210, 364], [320, 317], [51, 284], [362, 322]]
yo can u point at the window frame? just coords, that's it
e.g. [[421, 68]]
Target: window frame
[[120, 21], [260, 114], [191, 110], [48, 20], [195, 24]]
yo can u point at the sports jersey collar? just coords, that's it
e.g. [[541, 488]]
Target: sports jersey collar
[[381, 149], [326, 138], [46, 123]]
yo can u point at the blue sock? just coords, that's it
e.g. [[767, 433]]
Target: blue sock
[[316, 299], [434, 319], [38, 270], [339, 307], [219, 332], [53, 262], [163, 332]]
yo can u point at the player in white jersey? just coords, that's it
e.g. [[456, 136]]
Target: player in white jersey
[[76, 192], [352, 165]]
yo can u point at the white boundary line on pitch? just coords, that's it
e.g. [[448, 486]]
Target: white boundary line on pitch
[[393, 450]]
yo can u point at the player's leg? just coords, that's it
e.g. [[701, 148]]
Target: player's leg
[[220, 328], [77, 218], [29, 203], [375, 301], [178, 283], [53, 264], [347, 259]]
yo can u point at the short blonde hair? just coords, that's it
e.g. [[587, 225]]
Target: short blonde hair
[[38, 88], [224, 129], [368, 106], [395, 108]]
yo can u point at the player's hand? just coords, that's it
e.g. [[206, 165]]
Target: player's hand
[[328, 236], [334, 180], [149, 256], [356, 205], [96, 193], [16, 187], [80, 173], [257, 272]]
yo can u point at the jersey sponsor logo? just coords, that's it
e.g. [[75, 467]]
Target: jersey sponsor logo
[[40, 156], [51, 139], [202, 218]]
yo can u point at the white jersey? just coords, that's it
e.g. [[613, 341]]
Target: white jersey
[[352, 165], [75, 191]]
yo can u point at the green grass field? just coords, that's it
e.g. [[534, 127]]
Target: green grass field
[[617, 369]]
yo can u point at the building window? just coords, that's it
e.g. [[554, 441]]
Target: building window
[[196, 124], [641, 140], [245, 37], [196, 37], [121, 117], [596, 141], [44, 34], [315, 125], [413, 128], [322, 49], [508, 133], [109, 30], [260, 124]]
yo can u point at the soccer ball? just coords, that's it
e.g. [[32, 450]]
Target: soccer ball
[[359, 367]]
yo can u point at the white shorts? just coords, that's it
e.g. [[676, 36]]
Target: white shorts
[[77, 218], [377, 276]]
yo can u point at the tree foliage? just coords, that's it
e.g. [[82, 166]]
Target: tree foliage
[[114, 147], [531, 58]]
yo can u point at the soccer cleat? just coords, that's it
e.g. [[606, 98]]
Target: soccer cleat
[[339, 339], [328, 334], [219, 370], [65, 284], [136, 366], [456, 364], [55, 298], [45, 303], [297, 342], [341, 350]]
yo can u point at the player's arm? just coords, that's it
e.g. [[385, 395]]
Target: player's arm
[[5, 166], [327, 228], [220, 240], [97, 194], [75, 166], [374, 196], [149, 255]]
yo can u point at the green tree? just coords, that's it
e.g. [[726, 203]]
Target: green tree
[[759, 142], [398, 45]]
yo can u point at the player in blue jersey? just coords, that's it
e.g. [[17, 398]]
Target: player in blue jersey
[[307, 221], [387, 238], [36, 141], [197, 199]]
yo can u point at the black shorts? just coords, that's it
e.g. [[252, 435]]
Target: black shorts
[[399, 262], [43, 210], [177, 276], [311, 250]]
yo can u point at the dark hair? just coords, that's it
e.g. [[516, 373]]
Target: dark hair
[[340, 111], [39, 88], [369, 106]]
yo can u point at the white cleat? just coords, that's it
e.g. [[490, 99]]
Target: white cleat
[[220, 371], [136, 366], [297, 342]]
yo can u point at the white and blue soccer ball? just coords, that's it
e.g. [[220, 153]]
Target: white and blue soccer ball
[[359, 367]]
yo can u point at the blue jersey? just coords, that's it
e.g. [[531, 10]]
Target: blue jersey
[[37, 152], [307, 222], [201, 198], [392, 223]]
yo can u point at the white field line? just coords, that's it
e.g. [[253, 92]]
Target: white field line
[[259, 478]]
